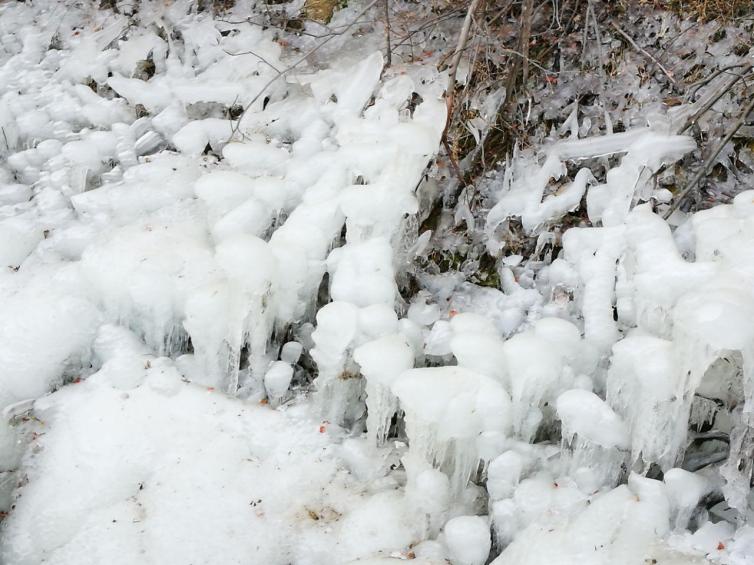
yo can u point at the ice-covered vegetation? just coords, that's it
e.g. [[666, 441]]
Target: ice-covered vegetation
[[405, 285]]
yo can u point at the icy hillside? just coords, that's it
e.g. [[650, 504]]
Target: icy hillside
[[213, 350]]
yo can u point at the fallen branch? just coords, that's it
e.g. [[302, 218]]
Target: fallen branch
[[710, 162]]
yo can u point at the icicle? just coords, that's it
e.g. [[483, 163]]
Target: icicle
[[685, 490], [737, 470], [252, 271], [642, 386], [447, 408], [382, 361], [611, 202], [337, 326], [428, 491], [596, 436], [540, 363], [595, 253]]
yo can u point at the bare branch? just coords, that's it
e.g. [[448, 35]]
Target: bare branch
[[265, 61], [711, 161], [462, 39], [715, 97], [525, 36]]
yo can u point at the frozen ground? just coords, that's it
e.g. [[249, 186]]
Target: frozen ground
[[208, 354]]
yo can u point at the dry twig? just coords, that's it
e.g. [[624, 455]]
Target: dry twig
[[462, 39], [711, 161], [387, 34], [715, 97]]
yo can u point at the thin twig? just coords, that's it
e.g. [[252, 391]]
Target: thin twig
[[666, 48], [714, 98], [525, 37], [387, 34], [426, 25], [711, 161], [273, 26], [264, 25], [265, 61], [636, 46], [462, 39], [453, 163], [597, 34], [694, 86]]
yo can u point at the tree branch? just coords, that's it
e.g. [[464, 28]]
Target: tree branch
[[711, 161]]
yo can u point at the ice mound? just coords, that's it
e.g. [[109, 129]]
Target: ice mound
[[468, 540], [624, 525], [448, 412], [597, 436]]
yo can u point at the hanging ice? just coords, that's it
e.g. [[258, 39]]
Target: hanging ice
[[597, 436], [382, 361], [540, 363], [448, 410]]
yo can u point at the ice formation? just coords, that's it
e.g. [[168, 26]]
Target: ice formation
[[468, 540], [451, 412], [382, 361], [180, 257]]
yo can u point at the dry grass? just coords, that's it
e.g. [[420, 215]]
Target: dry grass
[[707, 10]]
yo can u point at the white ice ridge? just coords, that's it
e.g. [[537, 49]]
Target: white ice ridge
[[388, 151], [644, 152], [665, 317], [678, 315]]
